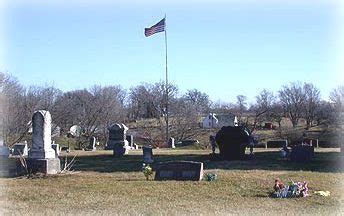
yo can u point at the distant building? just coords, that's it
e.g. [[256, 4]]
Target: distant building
[[219, 120]]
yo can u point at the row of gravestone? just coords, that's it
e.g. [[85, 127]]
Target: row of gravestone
[[120, 143]]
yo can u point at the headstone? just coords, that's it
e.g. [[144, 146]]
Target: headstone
[[147, 154], [171, 142], [92, 144], [189, 142], [41, 136], [42, 156], [302, 153], [56, 148], [276, 143], [130, 139], [232, 142], [4, 151], [20, 149], [117, 141], [312, 142], [179, 170], [65, 148]]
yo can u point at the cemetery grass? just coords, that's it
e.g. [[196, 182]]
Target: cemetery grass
[[106, 185]]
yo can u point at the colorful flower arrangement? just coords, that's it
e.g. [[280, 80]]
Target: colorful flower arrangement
[[293, 189]]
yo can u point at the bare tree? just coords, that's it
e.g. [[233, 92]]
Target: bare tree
[[143, 102], [184, 120], [325, 113], [276, 113], [241, 107], [337, 100], [93, 110], [337, 97], [222, 107], [109, 101], [311, 102], [264, 103], [15, 121], [198, 100], [186, 114], [292, 98]]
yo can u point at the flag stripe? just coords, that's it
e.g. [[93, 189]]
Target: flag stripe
[[159, 27]]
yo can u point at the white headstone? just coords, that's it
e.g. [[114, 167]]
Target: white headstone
[[171, 142], [41, 137]]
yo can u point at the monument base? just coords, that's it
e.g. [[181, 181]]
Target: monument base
[[49, 166], [120, 148], [38, 154]]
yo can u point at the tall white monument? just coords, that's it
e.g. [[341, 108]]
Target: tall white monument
[[42, 157]]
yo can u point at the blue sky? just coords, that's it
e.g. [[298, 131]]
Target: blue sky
[[223, 49]]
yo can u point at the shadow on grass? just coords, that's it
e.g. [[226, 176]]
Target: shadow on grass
[[322, 162]]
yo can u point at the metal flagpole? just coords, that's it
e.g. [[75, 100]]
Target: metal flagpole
[[166, 87]]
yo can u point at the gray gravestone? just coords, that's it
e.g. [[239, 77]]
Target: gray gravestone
[[147, 154], [92, 144], [41, 136], [117, 141], [56, 148], [312, 142], [179, 170], [302, 153], [4, 151], [171, 142], [130, 139], [20, 149], [42, 157]]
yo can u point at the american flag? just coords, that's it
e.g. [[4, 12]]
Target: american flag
[[159, 27]]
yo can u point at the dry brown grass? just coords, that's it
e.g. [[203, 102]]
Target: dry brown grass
[[121, 189]]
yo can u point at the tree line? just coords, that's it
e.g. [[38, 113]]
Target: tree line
[[97, 107]]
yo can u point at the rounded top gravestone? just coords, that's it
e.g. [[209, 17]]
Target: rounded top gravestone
[[41, 136], [117, 127], [232, 142], [117, 131]]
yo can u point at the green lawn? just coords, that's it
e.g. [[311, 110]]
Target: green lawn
[[106, 185]]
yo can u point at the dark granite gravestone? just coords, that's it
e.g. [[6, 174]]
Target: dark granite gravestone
[[189, 142], [302, 153], [4, 151], [312, 142], [117, 141], [276, 143], [130, 139], [65, 148], [232, 142], [10, 167], [179, 170], [147, 154], [20, 149], [92, 144]]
